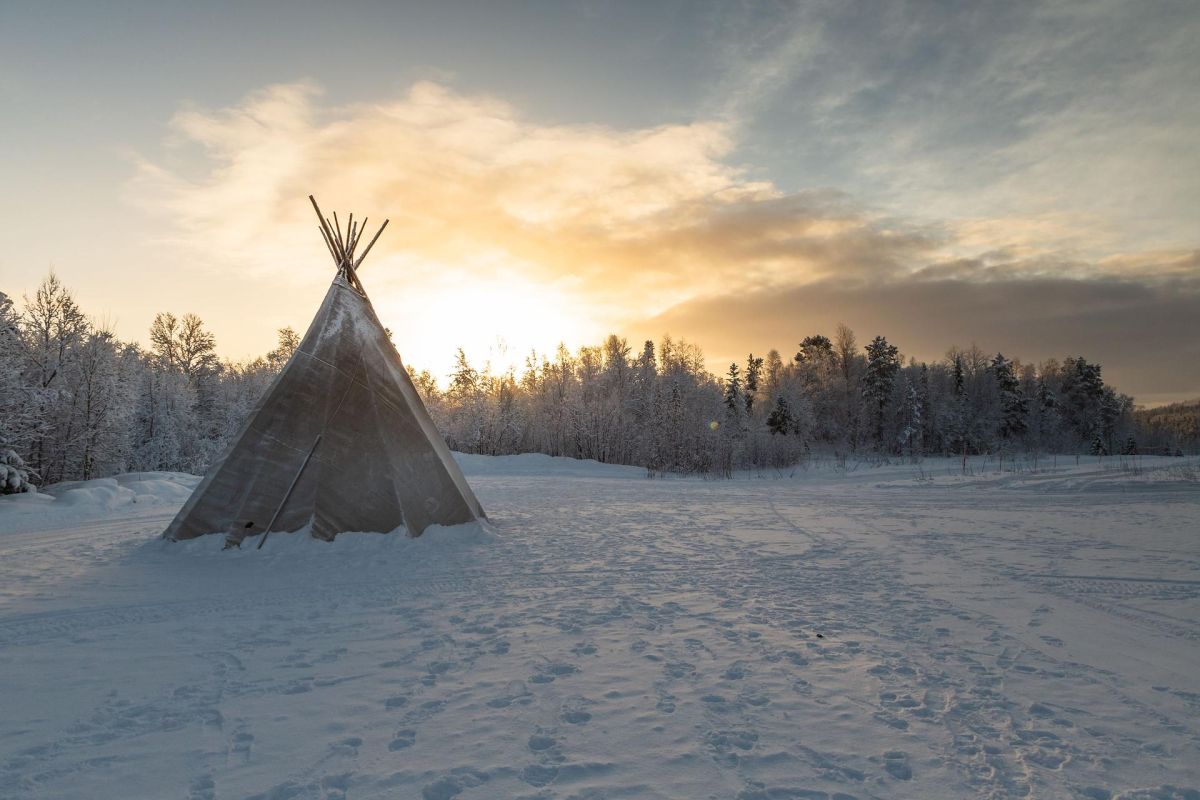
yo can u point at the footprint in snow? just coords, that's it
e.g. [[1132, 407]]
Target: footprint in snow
[[435, 670], [202, 788], [897, 765], [515, 693], [678, 669], [425, 711], [403, 740], [735, 672], [714, 701], [347, 747], [547, 673], [539, 742], [539, 775], [449, 786], [753, 698]]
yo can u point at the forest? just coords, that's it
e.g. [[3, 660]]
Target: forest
[[77, 403]]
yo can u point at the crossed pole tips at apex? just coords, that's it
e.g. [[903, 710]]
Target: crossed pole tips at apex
[[342, 247]]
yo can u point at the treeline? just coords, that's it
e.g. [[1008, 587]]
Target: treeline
[[659, 407], [77, 403], [1173, 428]]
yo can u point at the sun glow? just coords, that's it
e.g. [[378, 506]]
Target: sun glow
[[497, 321]]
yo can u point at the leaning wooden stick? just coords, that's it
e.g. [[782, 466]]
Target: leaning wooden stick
[[288, 495], [362, 227], [372, 244]]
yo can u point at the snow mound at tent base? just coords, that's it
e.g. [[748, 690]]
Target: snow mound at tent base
[[438, 541]]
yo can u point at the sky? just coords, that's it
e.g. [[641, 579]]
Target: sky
[[1022, 176]]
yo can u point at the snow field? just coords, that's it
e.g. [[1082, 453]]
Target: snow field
[[890, 632]]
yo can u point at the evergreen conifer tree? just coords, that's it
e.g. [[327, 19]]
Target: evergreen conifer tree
[[1014, 406], [883, 364], [779, 421]]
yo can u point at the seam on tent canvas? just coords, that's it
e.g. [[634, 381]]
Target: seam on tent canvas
[[353, 379], [329, 364], [374, 398], [281, 442]]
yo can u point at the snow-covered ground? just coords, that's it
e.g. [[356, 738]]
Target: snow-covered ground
[[888, 632]]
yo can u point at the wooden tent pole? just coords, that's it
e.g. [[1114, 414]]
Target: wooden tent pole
[[337, 228], [325, 239], [362, 227], [372, 244], [337, 257], [336, 244], [288, 495]]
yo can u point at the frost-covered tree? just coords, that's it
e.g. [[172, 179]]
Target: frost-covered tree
[[52, 327], [19, 407], [15, 476], [814, 348], [772, 374], [184, 345], [734, 400], [642, 396], [288, 341], [754, 367], [1082, 394], [1014, 406], [466, 401], [102, 403], [780, 421], [76, 402], [879, 379], [850, 367], [911, 433]]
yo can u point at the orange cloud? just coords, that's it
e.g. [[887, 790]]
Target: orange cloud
[[524, 233], [628, 222]]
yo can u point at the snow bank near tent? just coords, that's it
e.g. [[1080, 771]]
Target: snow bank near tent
[[134, 492], [127, 489]]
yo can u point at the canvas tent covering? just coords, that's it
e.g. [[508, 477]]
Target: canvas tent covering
[[340, 441]]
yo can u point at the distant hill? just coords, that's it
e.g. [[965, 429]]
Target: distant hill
[[1174, 427]]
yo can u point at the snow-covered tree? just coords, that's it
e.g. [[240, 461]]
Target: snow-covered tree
[[1014, 406], [879, 379], [14, 475], [288, 340], [75, 402]]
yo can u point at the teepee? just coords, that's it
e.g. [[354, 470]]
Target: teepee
[[341, 441]]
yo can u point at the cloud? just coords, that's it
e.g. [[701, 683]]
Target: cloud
[[635, 220], [1142, 333], [529, 233], [1083, 112]]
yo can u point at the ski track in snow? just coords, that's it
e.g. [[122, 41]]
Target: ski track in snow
[[875, 634]]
